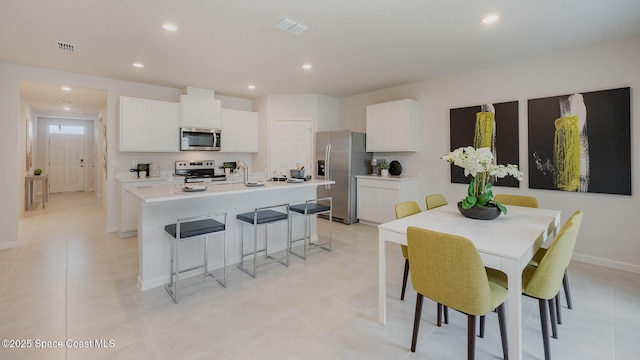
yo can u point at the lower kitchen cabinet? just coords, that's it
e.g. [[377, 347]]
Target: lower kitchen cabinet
[[378, 196], [128, 204]]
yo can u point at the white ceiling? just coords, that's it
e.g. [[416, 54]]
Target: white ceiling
[[355, 46], [50, 99]]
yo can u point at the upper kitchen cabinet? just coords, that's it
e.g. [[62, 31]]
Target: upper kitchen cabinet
[[392, 126], [149, 125], [240, 131], [200, 112]]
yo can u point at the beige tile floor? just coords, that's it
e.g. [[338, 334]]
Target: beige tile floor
[[71, 281]]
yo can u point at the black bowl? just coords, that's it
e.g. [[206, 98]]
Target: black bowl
[[479, 212]]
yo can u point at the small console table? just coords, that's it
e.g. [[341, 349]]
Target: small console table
[[28, 189]]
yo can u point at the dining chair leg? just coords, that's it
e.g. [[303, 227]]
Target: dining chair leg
[[471, 337], [503, 331], [416, 322], [558, 309], [552, 313], [482, 318], [567, 291], [404, 278], [544, 325], [443, 309]]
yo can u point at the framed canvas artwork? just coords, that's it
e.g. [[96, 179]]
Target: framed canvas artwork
[[581, 142], [488, 125]]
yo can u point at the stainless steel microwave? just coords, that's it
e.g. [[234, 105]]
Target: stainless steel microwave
[[199, 139]]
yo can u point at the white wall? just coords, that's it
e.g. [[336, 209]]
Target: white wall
[[328, 114], [25, 112], [322, 111], [609, 233]]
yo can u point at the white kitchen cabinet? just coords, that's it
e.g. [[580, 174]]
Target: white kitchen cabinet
[[200, 112], [240, 131], [378, 196], [392, 126], [149, 125], [128, 204]]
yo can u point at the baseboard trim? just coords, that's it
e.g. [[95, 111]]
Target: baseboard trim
[[9, 245], [618, 265]]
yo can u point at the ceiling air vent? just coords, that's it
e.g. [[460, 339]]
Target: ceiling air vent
[[65, 46], [291, 26]]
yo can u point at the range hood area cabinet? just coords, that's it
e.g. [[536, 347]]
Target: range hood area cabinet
[[239, 131], [392, 126], [200, 112], [149, 125]]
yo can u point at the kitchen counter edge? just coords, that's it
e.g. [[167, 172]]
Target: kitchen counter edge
[[163, 193]]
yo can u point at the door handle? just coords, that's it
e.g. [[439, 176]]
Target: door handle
[[327, 166]]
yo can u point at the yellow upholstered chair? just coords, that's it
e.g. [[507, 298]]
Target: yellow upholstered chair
[[448, 269], [404, 209], [409, 208], [517, 200], [544, 281], [435, 200], [530, 201]]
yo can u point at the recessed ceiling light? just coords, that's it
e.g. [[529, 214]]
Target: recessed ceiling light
[[307, 66], [170, 26], [66, 108], [138, 65], [66, 88], [251, 87], [490, 19]]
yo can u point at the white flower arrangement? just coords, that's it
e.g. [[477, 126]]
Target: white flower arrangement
[[479, 164]]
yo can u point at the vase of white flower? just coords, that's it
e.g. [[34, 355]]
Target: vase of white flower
[[478, 163]]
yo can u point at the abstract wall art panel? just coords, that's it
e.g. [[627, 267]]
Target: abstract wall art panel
[[488, 125], [581, 142]]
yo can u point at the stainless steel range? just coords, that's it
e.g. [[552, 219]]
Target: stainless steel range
[[198, 171]]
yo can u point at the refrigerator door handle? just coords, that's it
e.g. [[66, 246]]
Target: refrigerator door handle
[[327, 166]]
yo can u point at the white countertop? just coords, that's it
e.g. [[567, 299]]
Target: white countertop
[[162, 193], [136, 179], [387, 178]]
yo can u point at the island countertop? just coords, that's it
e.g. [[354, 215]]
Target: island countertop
[[163, 204], [163, 193]]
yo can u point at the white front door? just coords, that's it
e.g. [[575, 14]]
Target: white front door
[[66, 162], [291, 145]]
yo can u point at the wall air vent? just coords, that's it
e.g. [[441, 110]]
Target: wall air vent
[[65, 46], [291, 26]]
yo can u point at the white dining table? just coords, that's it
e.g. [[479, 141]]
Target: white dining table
[[506, 243]]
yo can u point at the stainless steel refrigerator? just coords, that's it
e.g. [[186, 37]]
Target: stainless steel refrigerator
[[341, 156]]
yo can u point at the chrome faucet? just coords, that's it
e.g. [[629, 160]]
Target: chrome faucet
[[245, 170]]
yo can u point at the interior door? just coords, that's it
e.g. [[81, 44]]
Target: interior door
[[66, 162], [291, 145]]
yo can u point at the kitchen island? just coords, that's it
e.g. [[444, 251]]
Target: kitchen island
[[160, 205]]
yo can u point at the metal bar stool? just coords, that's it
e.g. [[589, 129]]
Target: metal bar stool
[[263, 216], [308, 209], [193, 228]]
